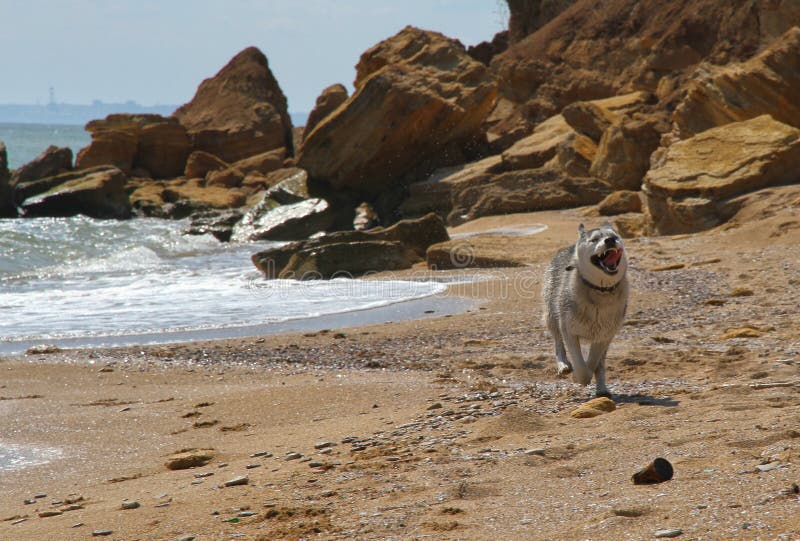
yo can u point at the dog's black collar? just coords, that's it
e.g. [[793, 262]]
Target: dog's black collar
[[599, 288], [588, 284]]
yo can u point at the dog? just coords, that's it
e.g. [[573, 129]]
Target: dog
[[585, 294]]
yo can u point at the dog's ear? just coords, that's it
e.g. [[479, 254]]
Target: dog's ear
[[581, 231]]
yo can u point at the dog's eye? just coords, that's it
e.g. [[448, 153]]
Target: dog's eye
[[594, 238]]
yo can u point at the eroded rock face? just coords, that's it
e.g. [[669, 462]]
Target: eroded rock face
[[598, 48], [240, 112], [327, 102], [687, 189], [152, 143], [98, 192], [419, 104], [769, 83], [291, 221], [51, 162]]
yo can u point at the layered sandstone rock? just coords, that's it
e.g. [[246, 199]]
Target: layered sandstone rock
[[53, 161], [327, 102], [157, 145], [240, 112], [419, 104], [97, 192], [598, 48], [769, 83], [687, 190], [200, 163]]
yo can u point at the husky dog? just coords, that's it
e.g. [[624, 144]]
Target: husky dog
[[586, 294]]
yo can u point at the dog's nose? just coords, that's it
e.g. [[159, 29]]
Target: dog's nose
[[610, 242]]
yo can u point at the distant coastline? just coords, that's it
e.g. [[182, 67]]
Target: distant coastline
[[80, 114]]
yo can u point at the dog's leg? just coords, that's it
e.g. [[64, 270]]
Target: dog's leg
[[597, 365], [562, 363], [581, 373]]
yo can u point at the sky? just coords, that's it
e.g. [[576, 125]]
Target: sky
[[156, 52]]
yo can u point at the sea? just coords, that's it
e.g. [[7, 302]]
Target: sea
[[81, 282], [24, 142]]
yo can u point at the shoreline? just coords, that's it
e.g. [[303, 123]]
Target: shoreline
[[434, 305]]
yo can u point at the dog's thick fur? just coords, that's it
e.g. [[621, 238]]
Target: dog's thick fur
[[585, 299]]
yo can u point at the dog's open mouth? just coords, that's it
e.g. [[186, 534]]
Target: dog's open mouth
[[608, 260]]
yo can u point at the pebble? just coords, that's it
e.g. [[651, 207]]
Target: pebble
[[673, 532], [769, 467], [245, 513], [315, 464], [100, 533], [201, 475], [252, 466], [131, 505], [186, 538], [236, 481], [18, 521], [293, 456], [323, 445], [326, 451], [538, 452], [77, 525], [261, 453], [45, 514]]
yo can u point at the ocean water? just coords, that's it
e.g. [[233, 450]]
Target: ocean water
[[25, 142], [84, 282]]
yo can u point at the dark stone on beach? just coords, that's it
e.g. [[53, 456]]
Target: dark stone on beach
[[217, 223], [288, 222], [102, 533], [415, 235], [287, 211], [348, 260], [237, 481], [98, 192], [49, 163]]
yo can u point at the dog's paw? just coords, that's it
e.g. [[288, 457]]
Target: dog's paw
[[582, 378], [563, 369], [602, 393]]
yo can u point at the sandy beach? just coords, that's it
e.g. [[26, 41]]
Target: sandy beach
[[447, 427]]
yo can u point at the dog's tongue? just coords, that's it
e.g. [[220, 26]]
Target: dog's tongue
[[612, 257]]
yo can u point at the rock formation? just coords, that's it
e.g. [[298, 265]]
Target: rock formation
[[153, 145], [7, 208], [690, 187], [53, 161], [419, 104], [98, 192], [768, 83], [239, 112], [327, 102]]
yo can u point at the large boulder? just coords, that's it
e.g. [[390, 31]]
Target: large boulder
[[200, 163], [418, 105], [769, 83], [347, 260], [98, 192], [327, 102], [414, 235], [688, 188], [7, 208], [528, 190], [148, 142], [239, 112], [292, 221], [624, 150], [51, 162]]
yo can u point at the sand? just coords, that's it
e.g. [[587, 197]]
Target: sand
[[444, 428]]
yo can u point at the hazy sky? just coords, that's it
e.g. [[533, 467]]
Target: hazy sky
[[158, 51]]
